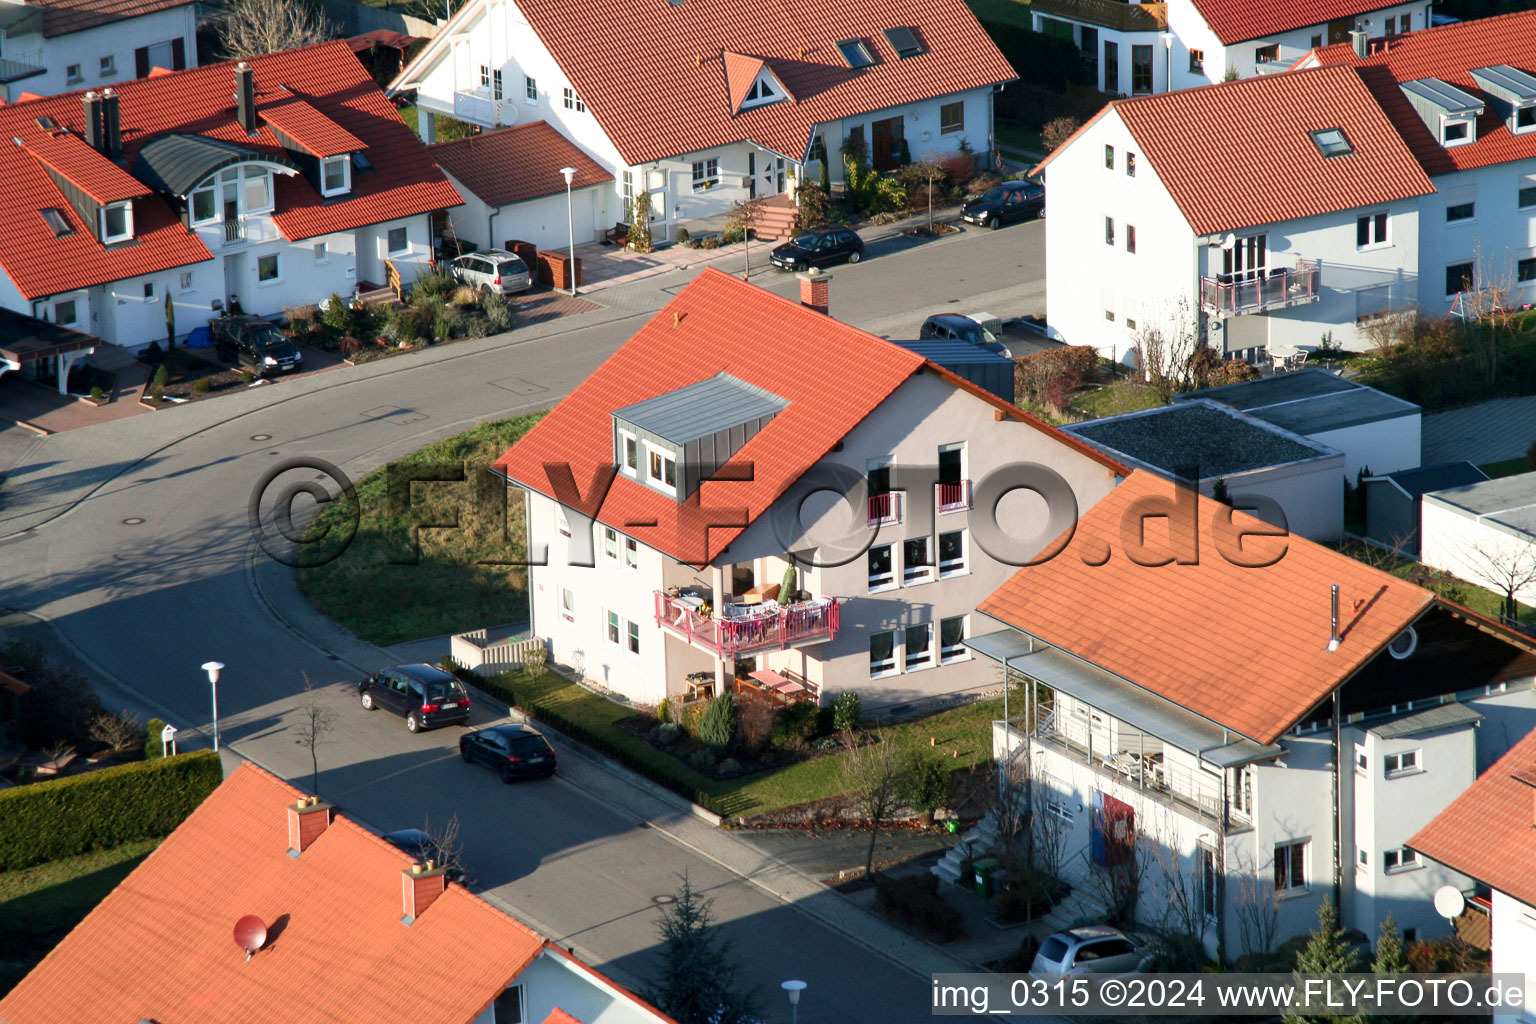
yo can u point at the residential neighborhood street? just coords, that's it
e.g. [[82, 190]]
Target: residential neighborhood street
[[131, 538]]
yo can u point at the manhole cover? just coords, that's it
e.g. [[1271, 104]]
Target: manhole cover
[[662, 901], [261, 437], [133, 521]]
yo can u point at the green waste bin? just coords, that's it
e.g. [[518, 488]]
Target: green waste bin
[[984, 869]]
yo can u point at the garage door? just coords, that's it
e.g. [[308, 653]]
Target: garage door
[[542, 221]]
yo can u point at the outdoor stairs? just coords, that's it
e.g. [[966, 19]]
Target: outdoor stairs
[[112, 358], [1081, 904], [776, 220], [977, 842], [380, 297]]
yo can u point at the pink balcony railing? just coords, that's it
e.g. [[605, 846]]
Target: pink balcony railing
[[1281, 287], [954, 495], [884, 509], [739, 630]]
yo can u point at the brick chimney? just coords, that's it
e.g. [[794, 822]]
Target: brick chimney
[[111, 125], [420, 885], [92, 101], [814, 290], [306, 820], [245, 97]]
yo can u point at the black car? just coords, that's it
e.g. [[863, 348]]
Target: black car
[[514, 751], [1003, 204], [255, 343], [954, 327], [428, 697], [819, 248], [421, 846]]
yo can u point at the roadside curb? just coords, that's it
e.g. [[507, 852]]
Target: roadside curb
[[39, 431]]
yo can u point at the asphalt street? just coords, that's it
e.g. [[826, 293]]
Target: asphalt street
[[131, 539]]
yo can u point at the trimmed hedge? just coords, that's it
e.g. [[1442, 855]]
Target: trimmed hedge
[[102, 809]]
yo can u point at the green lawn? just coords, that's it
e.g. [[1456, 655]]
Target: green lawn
[[1008, 12], [39, 905], [1508, 467], [408, 115], [1013, 135], [1470, 595], [455, 585], [962, 736], [1114, 399]]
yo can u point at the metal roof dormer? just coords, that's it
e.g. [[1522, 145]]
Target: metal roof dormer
[[1512, 93], [1448, 112]]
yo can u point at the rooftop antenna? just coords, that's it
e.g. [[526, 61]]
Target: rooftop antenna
[[250, 935], [1333, 632]]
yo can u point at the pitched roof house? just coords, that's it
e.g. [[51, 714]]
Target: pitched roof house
[[50, 46], [679, 493], [702, 104], [278, 181], [343, 912], [1408, 185], [1225, 705]]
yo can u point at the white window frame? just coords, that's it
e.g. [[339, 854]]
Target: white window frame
[[562, 522], [530, 89], [1516, 128], [613, 628], [1362, 860], [632, 638], [665, 456], [916, 659], [886, 581], [74, 311], [516, 992], [72, 74], [1060, 809], [611, 543], [886, 667], [954, 567], [631, 554], [1205, 865], [496, 84], [277, 265], [1470, 218], [345, 160], [567, 598], [485, 77], [149, 289], [1240, 796], [389, 247], [185, 280], [959, 652], [626, 440], [706, 174], [573, 102], [761, 94], [1446, 123], [1404, 762], [127, 232], [1362, 762], [1525, 192], [108, 66], [1293, 886], [1400, 861], [211, 187], [1374, 220], [321, 253], [951, 127], [250, 173], [917, 573]]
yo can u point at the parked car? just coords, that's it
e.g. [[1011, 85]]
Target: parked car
[[423, 847], [255, 343], [975, 329], [1006, 203], [428, 697], [1091, 949], [820, 247], [513, 751], [494, 270]]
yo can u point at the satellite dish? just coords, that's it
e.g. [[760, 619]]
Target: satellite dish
[[250, 934], [1449, 902], [1403, 645]]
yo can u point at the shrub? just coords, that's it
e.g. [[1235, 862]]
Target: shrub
[[668, 732], [336, 316], [682, 236], [60, 707], [437, 283], [1021, 959], [202, 385], [103, 809], [754, 724], [1235, 371], [1050, 377], [1056, 131], [247, 377], [1177, 953], [886, 195], [794, 725], [813, 203], [162, 376], [498, 311], [153, 355], [156, 394], [664, 711], [914, 901], [709, 242], [703, 760], [730, 767], [958, 168], [152, 744], [732, 234], [639, 238], [925, 783], [1032, 894], [97, 393], [442, 328], [690, 718], [464, 295], [846, 711], [980, 182], [881, 219], [717, 727]]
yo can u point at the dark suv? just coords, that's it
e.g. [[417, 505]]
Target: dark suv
[[428, 697], [513, 751], [255, 343]]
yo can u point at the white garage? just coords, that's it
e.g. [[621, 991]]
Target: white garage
[[1484, 533]]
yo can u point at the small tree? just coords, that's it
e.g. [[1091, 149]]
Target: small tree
[[744, 217], [450, 845], [924, 782], [812, 204], [170, 322], [1117, 882], [1508, 566], [316, 721], [117, 732], [1324, 953], [251, 28], [846, 709], [873, 775], [162, 376], [1257, 909], [697, 983], [154, 746], [639, 237], [717, 729], [1056, 131]]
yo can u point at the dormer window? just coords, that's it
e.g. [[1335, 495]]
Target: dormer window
[[662, 467], [116, 222], [856, 53], [1448, 112], [1512, 93], [1455, 133], [761, 93], [336, 175]]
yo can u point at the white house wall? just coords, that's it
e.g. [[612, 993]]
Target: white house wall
[[1123, 41], [1496, 237], [1307, 492], [1448, 539], [1514, 949], [1385, 446], [118, 40]]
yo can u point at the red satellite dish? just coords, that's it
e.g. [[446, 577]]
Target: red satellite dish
[[250, 934]]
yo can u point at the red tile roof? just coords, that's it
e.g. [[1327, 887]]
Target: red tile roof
[[328, 76], [160, 945], [73, 159], [514, 164], [653, 73], [60, 17], [1448, 53], [1180, 131], [832, 375], [1244, 647], [381, 37], [316, 133], [1235, 21], [1487, 832], [559, 1016]]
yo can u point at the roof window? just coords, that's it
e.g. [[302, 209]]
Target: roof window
[[1332, 142], [904, 41], [361, 163], [55, 220], [856, 53]]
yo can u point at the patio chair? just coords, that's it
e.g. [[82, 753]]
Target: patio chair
[[1300, 360]]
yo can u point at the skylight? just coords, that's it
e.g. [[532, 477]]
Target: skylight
[[856, 53], [55, 220], [904, 41], [361, 162], [1332, 142]]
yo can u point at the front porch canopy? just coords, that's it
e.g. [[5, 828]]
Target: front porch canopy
[[28, 339], [1217, 746]]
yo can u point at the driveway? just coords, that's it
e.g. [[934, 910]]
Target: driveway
[[1504, 428]]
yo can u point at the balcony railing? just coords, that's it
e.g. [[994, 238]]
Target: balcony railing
[[884, 509], [1279, 288], [740, 630], [477, 106], [234, 231], [1108, 13], [953, 495]]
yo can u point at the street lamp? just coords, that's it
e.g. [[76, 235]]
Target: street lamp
[[794, 988], [213, 668], [570, 223]]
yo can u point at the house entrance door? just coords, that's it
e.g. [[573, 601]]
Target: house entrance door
[[886, 135], [1338, 31]]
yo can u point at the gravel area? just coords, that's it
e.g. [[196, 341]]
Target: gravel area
[[1183, 435]]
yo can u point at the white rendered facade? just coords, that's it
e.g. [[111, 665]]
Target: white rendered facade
[[98, 57]]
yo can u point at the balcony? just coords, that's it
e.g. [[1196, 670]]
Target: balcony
[[742, 630], [952, 495], [1108, 13], [234, 231], [1280, 288], [24, 64], [884, 509], [477, 107]]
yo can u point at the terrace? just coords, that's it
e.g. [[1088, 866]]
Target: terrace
[[743, 630], [1225, 295]]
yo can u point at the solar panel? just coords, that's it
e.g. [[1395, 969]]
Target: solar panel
[[855, 53], [55, 220], [904, 41]]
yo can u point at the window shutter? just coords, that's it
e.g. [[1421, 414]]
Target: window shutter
[[178, 54], [141, 62]]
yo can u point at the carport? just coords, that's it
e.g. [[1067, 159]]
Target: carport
[[30, 340]]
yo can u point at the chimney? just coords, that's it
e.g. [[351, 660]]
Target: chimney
[[93, 120], [420, 885], [1357, 40], [245, 97], [306, 820], [111, 125], [813, 290], [1333, 630]]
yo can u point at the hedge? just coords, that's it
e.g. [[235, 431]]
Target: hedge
[[102, 809]]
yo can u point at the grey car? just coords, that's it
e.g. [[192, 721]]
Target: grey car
[[1092, 949], [494, 270]]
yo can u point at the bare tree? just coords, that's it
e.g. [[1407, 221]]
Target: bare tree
[[1056, 131], [1127, 853], [1256, 905], [1166, 344], [745, 215], [251, 28], [448, 840], [1180, 884], [873, 774], [316, 721], [1508, 566], [118, 732]]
